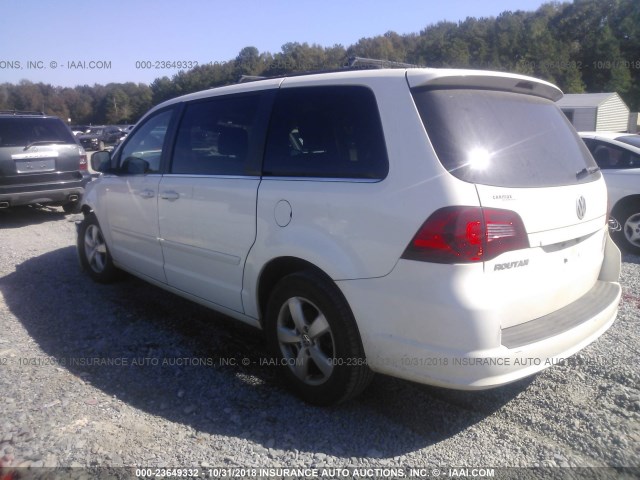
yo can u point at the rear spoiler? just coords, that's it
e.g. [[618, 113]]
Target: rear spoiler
[[482, 80]]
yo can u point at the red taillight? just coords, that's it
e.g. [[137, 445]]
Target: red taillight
[[466, 235], [83, 162]]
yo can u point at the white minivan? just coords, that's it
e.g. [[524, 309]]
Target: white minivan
[[447, 227]]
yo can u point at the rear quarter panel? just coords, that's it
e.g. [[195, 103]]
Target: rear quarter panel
[[356, 229]]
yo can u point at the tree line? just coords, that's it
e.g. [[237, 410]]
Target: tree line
[[584, 46]]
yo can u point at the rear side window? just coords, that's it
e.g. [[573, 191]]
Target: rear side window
[[327, 132], [15, 131], [213, 137], [612, 157], [503, 139]]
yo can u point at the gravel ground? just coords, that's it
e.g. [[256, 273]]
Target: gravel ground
[[177, 400]]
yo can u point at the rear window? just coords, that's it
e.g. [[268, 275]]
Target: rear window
[[503, 139], [16, 131]]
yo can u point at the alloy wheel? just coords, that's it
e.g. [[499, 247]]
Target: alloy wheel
[[306, 341], [95, 248], [632, 229]]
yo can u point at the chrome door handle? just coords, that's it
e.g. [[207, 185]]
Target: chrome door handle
[[170, 195], [146, 193]]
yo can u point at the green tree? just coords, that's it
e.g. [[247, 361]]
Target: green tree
[[117, 108], [582, 46], [162, 89], [248, 62]]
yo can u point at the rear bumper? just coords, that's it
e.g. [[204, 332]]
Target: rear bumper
[[598, 300], [440, 341], [46, 193]]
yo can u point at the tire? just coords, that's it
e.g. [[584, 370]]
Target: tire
[[313, 336], [93, 252], [628, 238], [71, 207]]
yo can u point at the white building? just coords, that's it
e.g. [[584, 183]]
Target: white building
[[596, 111]]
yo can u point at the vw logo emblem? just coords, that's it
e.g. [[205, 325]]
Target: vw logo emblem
[[581, 207]]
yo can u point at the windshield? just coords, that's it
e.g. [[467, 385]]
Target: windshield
[[504, 139], [95, 131]]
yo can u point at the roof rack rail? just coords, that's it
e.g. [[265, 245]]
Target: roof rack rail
[[362, 62], [20, 112], [250, 78], [355, 63]]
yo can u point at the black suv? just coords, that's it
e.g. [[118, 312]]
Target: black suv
[[40, 161], [97, 137]]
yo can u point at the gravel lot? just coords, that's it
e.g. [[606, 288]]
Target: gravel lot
[[177, 400]]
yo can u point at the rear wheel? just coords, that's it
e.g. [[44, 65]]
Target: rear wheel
[[312, 334], [70, 207], [629, 235], [94, 253]]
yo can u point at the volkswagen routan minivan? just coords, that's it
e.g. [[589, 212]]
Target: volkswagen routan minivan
[[447, 227]]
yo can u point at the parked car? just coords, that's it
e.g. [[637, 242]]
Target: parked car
[[79, 129], [97, 138], [125, 129], [442, 226], [618, 155], [40, 162]]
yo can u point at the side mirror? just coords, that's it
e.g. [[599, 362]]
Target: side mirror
[[101, 161], [135, 165]]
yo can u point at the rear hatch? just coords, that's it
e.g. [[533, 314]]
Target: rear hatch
[[37, 150], [505, 135]]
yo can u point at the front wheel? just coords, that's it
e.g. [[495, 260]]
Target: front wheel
[[628, 237], [93, 251], [312, 333]]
